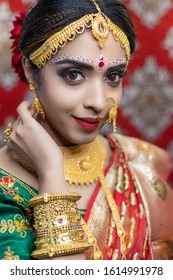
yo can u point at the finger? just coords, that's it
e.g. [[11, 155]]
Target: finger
[[25, 111]]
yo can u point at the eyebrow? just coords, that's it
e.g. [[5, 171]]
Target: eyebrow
[[119, 67], [75, 63]]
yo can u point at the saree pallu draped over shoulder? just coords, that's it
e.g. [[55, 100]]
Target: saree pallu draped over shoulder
[[136, 176]]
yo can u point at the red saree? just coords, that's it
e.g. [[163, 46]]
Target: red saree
[[131, 175]]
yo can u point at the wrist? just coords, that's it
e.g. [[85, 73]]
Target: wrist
[[52, 183], [52, 179]]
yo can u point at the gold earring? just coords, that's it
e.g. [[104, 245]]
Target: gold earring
[[36, 104], [7, 132], [39, 108], [32, 88], [112, 115]]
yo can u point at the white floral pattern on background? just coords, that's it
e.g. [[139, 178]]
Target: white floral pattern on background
[[150, 11], [8, 79], [168, 42], [151, 88]]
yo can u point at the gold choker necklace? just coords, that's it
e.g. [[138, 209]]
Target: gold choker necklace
[[84, 164]]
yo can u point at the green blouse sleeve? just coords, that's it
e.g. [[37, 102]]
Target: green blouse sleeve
[[16, 233]]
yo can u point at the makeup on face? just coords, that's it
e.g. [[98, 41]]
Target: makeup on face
[[101, 63], [88, 123], [75, 85], [74, 70]]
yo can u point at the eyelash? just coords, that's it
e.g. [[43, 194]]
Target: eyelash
[[65, 74], [119, 74]]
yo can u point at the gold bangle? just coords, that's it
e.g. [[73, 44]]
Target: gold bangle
[[58, 226], [40, 199], [63, 250]]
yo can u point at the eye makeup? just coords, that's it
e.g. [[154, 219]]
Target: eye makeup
[[100, 62]]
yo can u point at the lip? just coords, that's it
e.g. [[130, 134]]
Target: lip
[[89, 124]]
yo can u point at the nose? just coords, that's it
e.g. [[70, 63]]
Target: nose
[[96, 96]]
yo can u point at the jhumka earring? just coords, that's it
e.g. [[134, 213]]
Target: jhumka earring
[[36, 104], [112, 115], [7, 132]]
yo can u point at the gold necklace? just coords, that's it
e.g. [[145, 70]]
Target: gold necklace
[[84, 164]]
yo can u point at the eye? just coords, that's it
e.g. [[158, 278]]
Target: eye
[[72, 75], [114, 78]]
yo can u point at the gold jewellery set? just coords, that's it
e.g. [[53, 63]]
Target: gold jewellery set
[[59, 227]]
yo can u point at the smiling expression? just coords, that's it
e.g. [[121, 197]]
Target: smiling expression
[[73, 91]]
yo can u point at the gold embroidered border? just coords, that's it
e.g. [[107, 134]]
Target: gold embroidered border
[[32, 192], [18, 224], [9, 255]]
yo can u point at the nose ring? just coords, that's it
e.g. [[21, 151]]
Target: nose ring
[[112, 114]]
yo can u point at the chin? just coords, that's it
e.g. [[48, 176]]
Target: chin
[[85, 138]]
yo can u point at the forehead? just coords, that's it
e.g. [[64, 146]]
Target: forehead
[[85, 45]]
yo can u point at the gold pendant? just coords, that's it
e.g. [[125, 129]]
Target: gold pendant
[[83, 164], [100, 30]]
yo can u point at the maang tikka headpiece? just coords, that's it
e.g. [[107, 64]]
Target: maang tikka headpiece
[[100, 26]]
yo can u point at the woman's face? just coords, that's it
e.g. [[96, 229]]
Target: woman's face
[[73, 89]]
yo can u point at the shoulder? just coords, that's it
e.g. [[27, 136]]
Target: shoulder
[[140, 152], [11, 166]]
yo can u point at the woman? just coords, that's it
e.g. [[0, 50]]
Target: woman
[[55, 164]]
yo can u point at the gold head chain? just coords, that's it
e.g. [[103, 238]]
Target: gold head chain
[[100, 26]]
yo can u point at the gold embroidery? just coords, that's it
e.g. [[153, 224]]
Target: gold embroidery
[[123, 209], [133, 199], [132, 232], [116, 255], [9, 255], [19, 225], [124, 219], [141, 211], [122, 180], [145, 243], [7, 185], [136, 256], [29, 189], [160, 188]]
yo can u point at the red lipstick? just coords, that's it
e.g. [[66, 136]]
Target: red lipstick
[[89, 124]]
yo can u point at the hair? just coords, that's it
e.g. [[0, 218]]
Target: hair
[[48, 17], [45, 18]]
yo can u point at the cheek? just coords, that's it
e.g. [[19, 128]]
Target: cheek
[[116, 93], [59, 97]]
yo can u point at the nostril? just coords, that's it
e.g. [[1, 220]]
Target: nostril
[[104, 114]]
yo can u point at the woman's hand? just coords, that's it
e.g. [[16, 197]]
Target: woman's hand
[[31, 143]]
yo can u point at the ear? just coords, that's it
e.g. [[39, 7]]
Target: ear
[[28, 71]]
